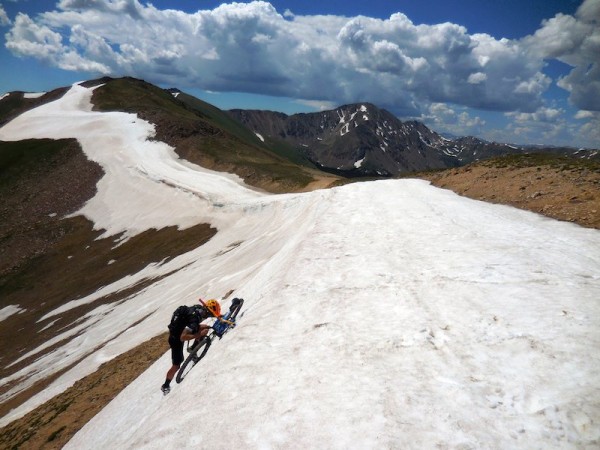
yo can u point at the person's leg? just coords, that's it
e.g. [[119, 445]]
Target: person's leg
[[172, 371], [188, 336], [176, 358]]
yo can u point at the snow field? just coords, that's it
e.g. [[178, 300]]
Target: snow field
[[384, 314], [383, 329]]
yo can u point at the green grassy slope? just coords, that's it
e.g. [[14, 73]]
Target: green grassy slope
[[205, 135]]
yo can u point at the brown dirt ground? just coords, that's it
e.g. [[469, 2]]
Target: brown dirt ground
[[51, 425], [559, 191]]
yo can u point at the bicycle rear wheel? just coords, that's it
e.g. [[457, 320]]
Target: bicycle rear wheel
[[193, 359]]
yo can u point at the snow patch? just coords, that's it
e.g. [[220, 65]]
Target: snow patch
[[146, 184], [10, 310], [50, 324], [258, 135], [345, 129]]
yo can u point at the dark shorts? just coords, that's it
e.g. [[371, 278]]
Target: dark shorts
[[176, 350]]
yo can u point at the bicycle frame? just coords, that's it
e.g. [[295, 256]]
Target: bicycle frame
[[219, 328]]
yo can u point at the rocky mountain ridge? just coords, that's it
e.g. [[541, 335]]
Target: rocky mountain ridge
[[354, 140], [570, 191], [364, 140]]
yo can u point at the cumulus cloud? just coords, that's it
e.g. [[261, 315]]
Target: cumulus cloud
[[542, 126], [476, 78], [458, 122], [590, 131], [574, 40], [28, 38], [541, 115], [251, 47], [318, 105], [4, 20], [584, 114]]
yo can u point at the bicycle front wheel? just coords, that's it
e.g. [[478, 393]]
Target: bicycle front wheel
[[193, 359], [235, 309]]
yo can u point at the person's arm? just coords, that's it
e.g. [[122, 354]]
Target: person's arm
[[188, 334]]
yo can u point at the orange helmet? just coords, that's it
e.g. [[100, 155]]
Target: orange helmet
[[213, 306]]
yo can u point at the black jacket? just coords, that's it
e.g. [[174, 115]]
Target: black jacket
[[188, 316]]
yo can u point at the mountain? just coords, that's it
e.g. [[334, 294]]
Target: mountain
[[364, 140], [353, 140], [459, 323], [277, 152], [203, 134]]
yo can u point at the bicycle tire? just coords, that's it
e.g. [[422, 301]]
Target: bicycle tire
[[237, 309], [193, 359]]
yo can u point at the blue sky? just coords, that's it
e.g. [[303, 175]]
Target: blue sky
[[504, 70]]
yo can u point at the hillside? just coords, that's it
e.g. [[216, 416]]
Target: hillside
[[202, 134], [51, 425], [557, 187], [479, 346], [193, 257]]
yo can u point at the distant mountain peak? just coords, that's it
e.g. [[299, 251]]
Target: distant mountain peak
[[361, 139]]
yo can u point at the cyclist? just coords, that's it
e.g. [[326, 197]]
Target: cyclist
[[186, 325]]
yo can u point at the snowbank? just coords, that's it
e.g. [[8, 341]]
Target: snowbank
[[384, 314]]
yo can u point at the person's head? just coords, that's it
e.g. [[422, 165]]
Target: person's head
[[213, 307]]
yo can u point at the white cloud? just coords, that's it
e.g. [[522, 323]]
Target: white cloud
[[541, 115], [584, 114], [28, 38], [318, 105], [589, 132], [574, 40], [411, 70], [251, 47], [4, 20], [445, 118], [546, 125], [476, 78]]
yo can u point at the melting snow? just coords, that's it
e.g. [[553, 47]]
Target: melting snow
[[386, 314], [345, 129], [9, 310]]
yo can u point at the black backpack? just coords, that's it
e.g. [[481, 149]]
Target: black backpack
[[179, 319]]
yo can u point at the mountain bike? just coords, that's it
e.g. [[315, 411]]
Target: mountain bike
[[219, 328]]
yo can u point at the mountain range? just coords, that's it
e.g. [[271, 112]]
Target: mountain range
[[364, 140], [355, 140], [111, 218]]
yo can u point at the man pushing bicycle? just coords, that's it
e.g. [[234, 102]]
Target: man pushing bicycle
[[186, 325]]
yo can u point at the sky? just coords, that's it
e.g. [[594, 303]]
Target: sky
[[509, 71], [419, 323]]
